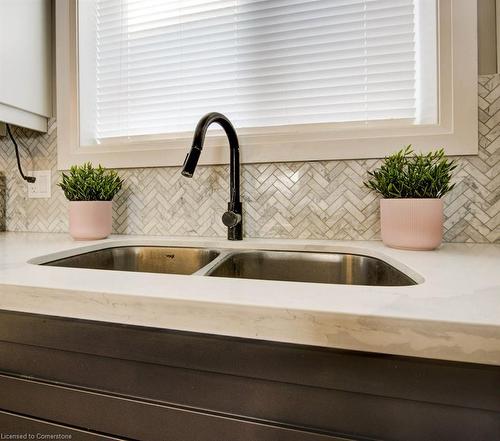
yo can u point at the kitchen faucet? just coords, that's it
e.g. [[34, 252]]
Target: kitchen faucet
[[232, 218]]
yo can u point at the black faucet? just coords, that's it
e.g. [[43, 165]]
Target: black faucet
[[232, 218]]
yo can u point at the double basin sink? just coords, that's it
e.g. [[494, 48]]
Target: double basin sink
[[293, 266]]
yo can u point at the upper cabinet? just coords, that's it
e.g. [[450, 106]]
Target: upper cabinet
[[26, 63], [488, 12]]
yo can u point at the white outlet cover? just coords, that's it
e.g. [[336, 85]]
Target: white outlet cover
[[41, 188]]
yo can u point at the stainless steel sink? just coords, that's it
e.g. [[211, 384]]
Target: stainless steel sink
[[293, 266], [149, 259], [346, 269]]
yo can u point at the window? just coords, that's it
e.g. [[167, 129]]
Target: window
[[158, 66], [300, 79]]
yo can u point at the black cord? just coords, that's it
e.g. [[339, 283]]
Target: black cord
[[30, 179]]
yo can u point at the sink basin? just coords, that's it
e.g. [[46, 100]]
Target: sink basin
[[293, 266], [347, 269], [149, 259]]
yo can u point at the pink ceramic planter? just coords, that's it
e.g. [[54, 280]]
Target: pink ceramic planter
[[90, 220], [412, 224]]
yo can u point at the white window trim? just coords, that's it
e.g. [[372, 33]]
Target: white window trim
[[457, 130]]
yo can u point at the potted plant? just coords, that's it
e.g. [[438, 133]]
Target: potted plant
[[90, 192], [411, 211]]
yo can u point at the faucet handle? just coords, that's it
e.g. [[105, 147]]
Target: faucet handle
[[231, 219]]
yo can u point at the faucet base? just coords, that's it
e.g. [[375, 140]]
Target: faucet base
[[236, 232]]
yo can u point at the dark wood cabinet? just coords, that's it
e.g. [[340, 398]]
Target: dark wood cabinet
[[107, 381], [21, 427]]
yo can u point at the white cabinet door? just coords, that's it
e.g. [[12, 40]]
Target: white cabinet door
[[26, 62]]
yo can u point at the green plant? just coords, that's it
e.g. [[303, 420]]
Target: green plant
[[408, 175], [88, 183]]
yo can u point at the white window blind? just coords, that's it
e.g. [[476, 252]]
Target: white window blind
[[159, 65]]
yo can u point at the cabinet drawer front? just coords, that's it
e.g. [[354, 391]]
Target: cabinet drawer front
[[12, 424], [134, 419]]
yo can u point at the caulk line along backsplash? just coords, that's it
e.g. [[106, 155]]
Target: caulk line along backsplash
[[314, 200]]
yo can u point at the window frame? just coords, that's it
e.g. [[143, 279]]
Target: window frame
[[457, 130]]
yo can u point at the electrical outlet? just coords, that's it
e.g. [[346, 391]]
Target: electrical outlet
[[41, 188]]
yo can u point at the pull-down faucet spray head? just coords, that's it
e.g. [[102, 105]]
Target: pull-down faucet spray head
[[191, 161]]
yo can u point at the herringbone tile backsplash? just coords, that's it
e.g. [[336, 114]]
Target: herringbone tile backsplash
[[317, 200]]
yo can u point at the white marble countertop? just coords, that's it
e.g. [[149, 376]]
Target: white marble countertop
[[453, 314]]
